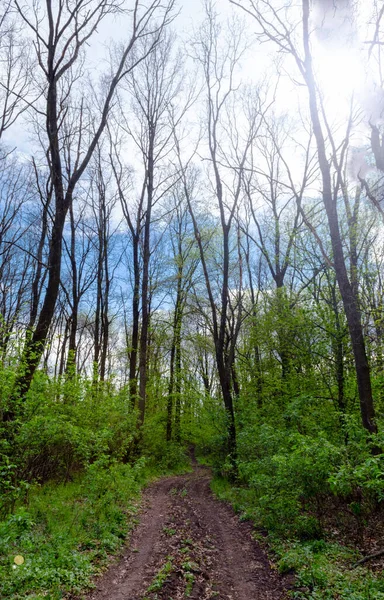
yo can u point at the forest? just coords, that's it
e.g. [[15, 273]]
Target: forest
[[192, 294]]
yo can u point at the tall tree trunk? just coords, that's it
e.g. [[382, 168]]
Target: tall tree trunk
[[170, 398], [347, 290], [63, 347], [178, 387], [35, 343], [135, 322], [98, 312], [174, 389], [106, 291], [72, 347], [145, 313]]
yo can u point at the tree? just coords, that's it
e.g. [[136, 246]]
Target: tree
[[274, 205], [15, 68], [103, 205], [185, 265], [133, 217], [228, 146], [61, 35], [282, 31], [153, 88], [17, 254]]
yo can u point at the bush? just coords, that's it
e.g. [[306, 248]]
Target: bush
[[53, 447], [291, 470], [62, 434], [162, 456]]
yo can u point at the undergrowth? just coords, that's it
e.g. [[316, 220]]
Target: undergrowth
[[65, 532], [291, 485], [71, 471]]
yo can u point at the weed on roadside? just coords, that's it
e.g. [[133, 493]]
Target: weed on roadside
[[160, 577]]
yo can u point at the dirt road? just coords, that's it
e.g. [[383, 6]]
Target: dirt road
[[189, 545]]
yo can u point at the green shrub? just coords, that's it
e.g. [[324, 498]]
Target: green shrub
[[162, 456], [60, 435], [364, 480], [289, 470], [11, 488], [54, 447]]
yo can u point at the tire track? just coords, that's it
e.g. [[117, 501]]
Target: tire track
[[190, 545]]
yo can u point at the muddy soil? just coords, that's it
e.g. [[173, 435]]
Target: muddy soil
[[190, 545]]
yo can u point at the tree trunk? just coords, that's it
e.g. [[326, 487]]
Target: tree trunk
[[145, 313], [72, 347], [34, 345], [135, 321], [178, 385], [348, 293], [175, 359]]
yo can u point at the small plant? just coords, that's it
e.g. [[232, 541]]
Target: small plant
[[189, 579], [169, 531], [67, 532], [161, 576]]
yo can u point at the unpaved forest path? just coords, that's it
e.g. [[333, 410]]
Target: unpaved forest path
[[189, 545]]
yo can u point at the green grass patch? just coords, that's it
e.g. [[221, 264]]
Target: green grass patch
[[66, 532]]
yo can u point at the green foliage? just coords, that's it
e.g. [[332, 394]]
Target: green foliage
[[68, 425], [292, 461], [55, 447], [67, 495], [67, 531], [12, 488], [209, 434], [322, 569], [367, 477], [323, 572], [162, 456], [283, 469], [298, 447]]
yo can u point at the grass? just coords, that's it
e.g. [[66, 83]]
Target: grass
[[66, 533]]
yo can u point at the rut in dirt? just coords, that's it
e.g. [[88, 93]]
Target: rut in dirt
[[190, 545]]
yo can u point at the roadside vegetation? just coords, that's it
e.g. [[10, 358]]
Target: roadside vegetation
[[191, 261], [71, 488]]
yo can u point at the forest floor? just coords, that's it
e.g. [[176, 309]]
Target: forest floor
[[190, 545]]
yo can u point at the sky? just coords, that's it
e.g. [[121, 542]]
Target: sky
[[111, 29], [340, 69]]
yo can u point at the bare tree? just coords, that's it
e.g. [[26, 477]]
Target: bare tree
[[228, 147], [17, 255], [153, 89], [185, 264], [78, 275], [103, 205], [60, 35], [274, 204], [133, 216], [15, 68]]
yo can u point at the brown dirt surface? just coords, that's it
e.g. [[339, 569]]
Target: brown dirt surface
[[190, 545], [362, 529]]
